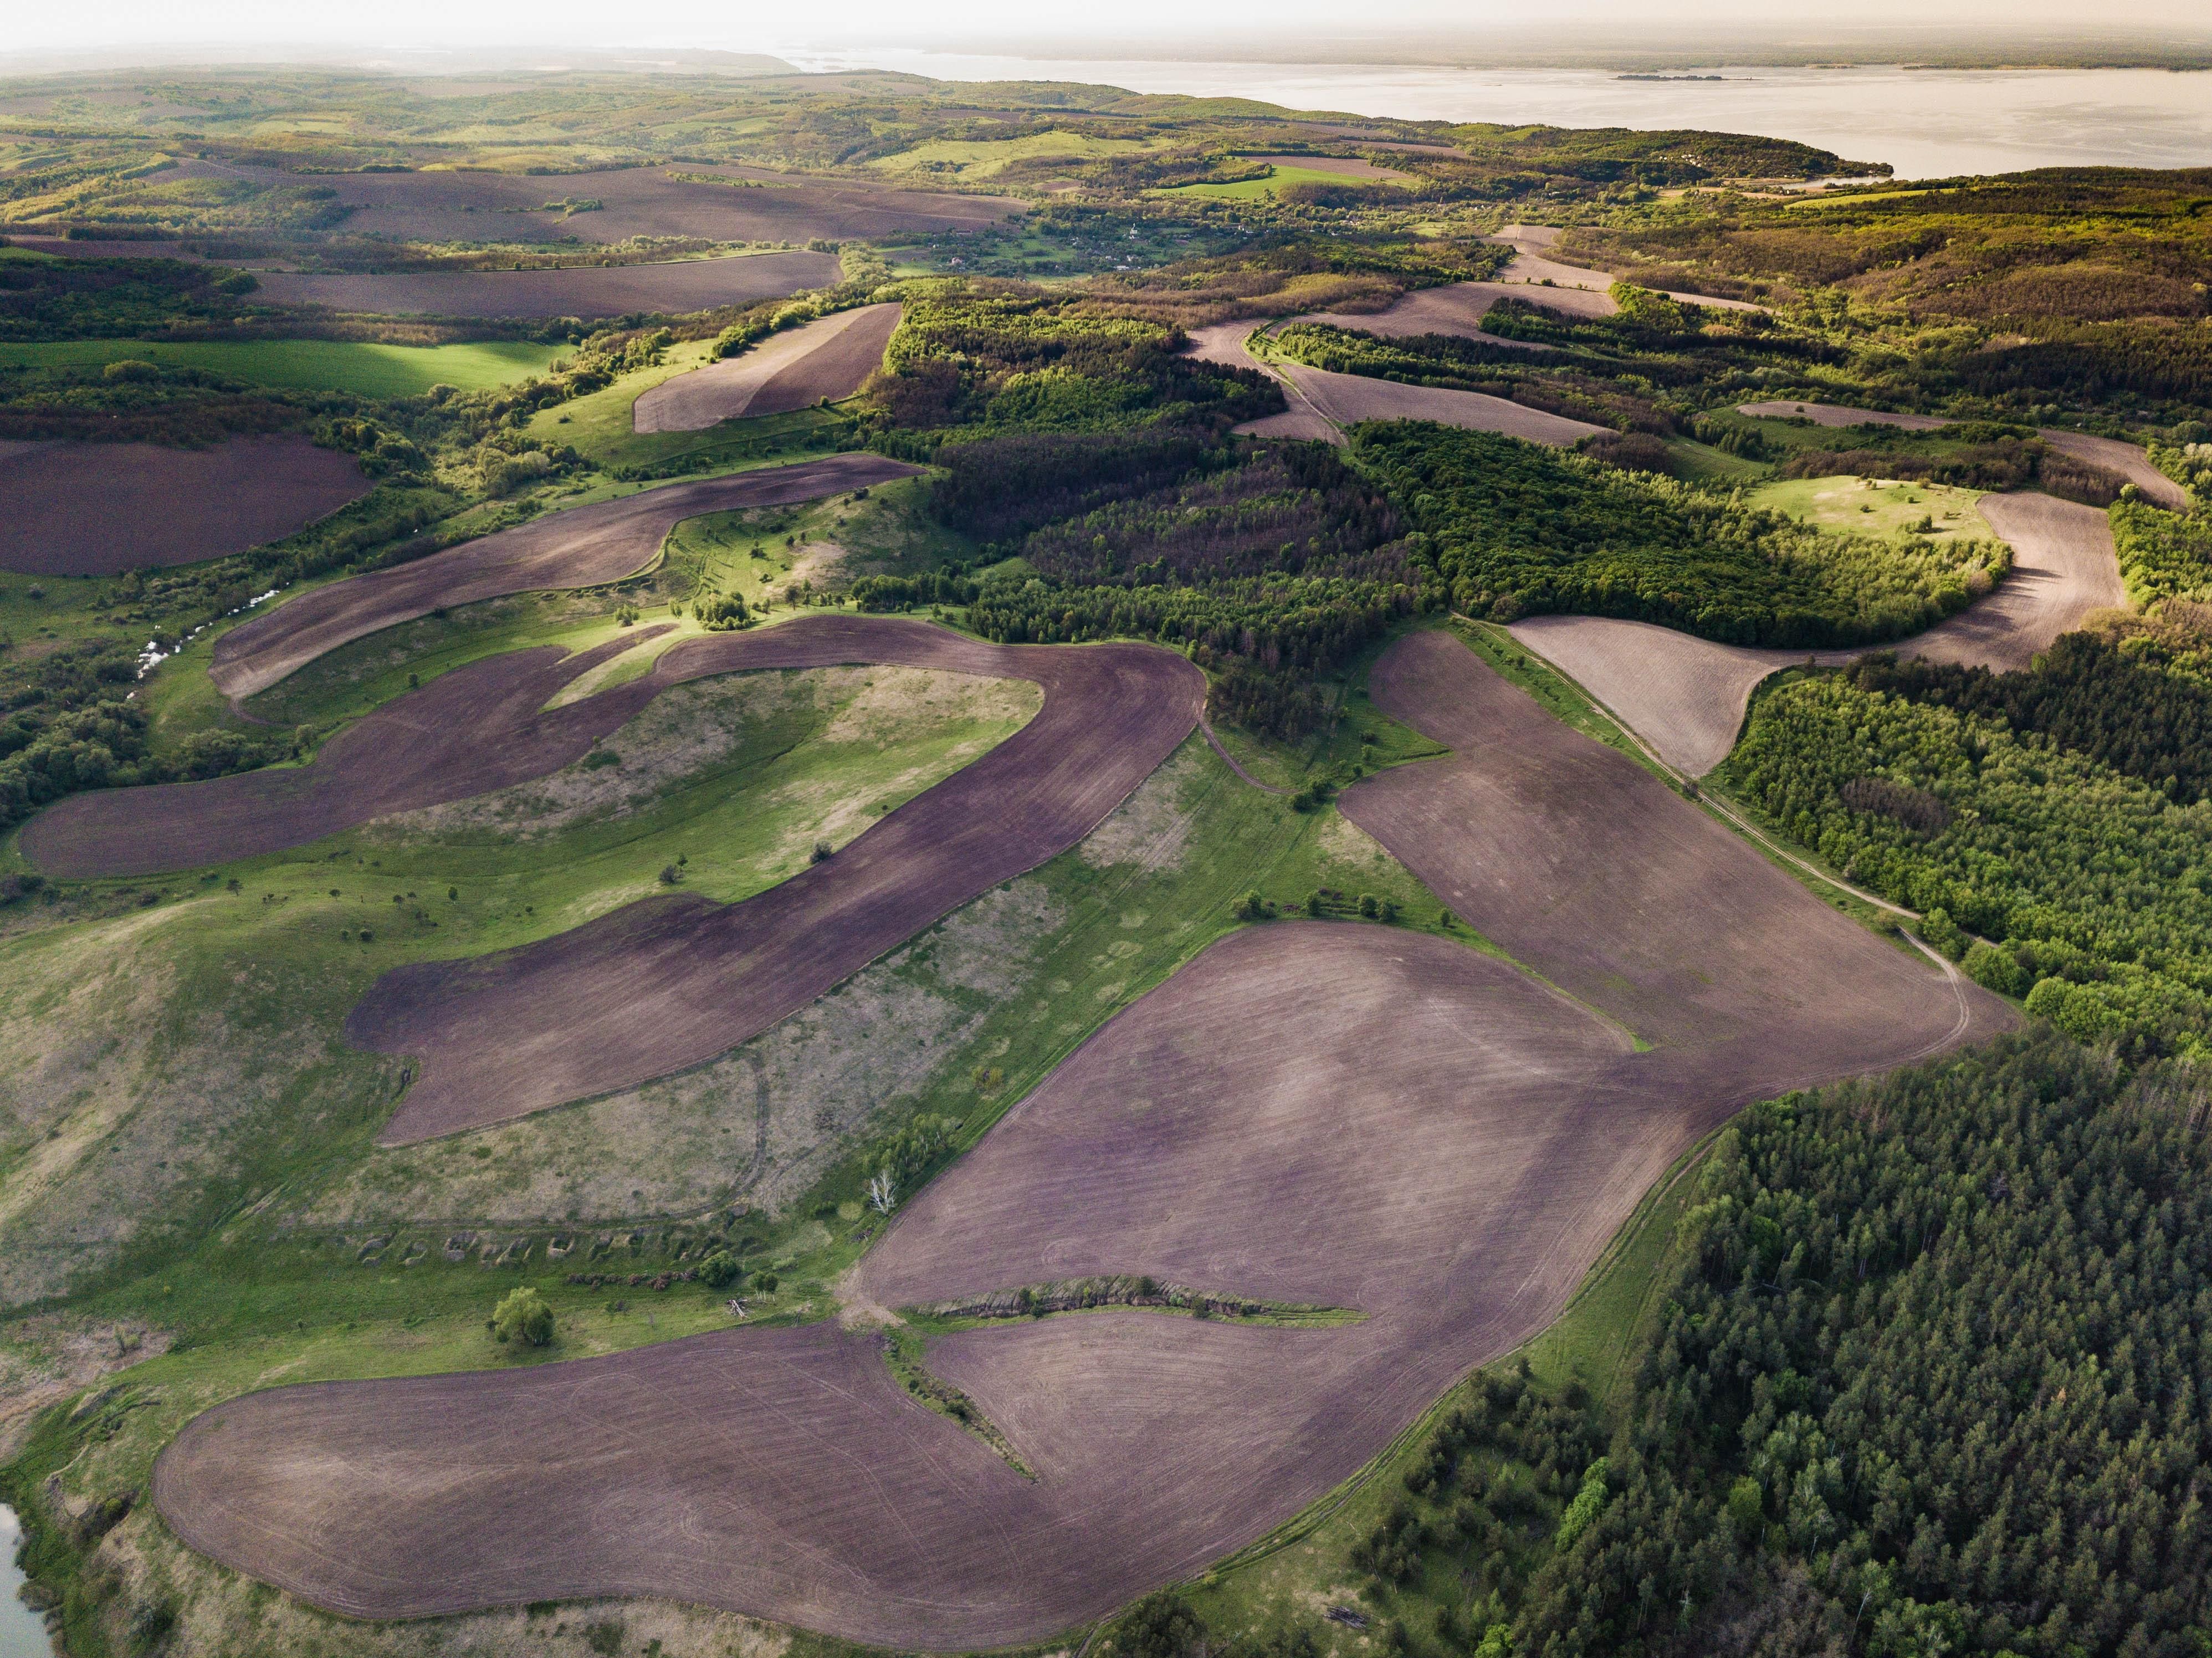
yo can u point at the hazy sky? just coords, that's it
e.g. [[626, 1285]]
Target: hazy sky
[[1274, 26]]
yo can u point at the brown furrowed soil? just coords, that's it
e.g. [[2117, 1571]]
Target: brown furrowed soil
[[102, 508], [585, 291], [1329, 1114], [703, 201], [1532, 263], [1346, 399], [467, 733], [581, 546], [1686, 696], [667, 983], [1459, 310], [829, 358]]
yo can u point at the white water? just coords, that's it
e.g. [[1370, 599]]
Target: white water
[[1924, 123], [22, 1632]]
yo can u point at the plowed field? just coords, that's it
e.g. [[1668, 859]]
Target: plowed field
[[579, 547], [711, 203], [827, 358], [665, 983], [1324, 1113], [1346, 398], [1686, 696], [101, 508], [584, 290]]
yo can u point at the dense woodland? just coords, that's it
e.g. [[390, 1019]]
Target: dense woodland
[[1517, 529], [1925, 1376], [2090, 885]]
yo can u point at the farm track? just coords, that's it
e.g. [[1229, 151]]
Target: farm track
[[828, 358], [581, 546], [1687, 695], [1313, 1112], [665, 983], [102, 508]]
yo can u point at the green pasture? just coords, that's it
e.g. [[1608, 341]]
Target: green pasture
[[968, 160], [1277, 179], [598, 426], [1891, 509], [366, 367]]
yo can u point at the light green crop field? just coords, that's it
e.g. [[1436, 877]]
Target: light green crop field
[[1893, 510], [970, 159], [367, 367], [1245, 189]]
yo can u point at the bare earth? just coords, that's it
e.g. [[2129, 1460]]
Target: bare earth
[[580, 547], [2127, 459], [585, 291], [1346, 398], [668, 982], [101, 508], [1686, 696], [645, 201], [827, 358], [1319, 1112]]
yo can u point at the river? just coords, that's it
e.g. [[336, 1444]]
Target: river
[[22, 1632], [1924, 123]]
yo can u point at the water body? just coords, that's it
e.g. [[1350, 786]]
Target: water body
[[1926, 123], [22, 1632]]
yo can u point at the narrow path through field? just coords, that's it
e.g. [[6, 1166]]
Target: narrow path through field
[[1329, 1114], [581, 546], [1688, 695]]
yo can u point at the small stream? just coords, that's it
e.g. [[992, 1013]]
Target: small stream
[[22, 1632]]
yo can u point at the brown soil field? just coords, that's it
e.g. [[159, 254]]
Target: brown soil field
[[1325, 1112], [63, 247], [465, 733], [828, 358], [713, 203], [101, 508], [1347, 166], [581, 546], [1531, 263], [1345, 398], [2127, 459], [667, 983], [1685, 696], [1460, 309], [585, 291]]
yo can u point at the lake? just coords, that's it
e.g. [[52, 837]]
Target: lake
[[1924, 123]]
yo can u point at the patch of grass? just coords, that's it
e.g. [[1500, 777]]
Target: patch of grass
[[967, 160], [598, 426], [1278, 178], [370, 369], [1893, 510]]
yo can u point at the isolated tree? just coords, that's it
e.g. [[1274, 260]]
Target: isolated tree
[[883, 1192], [522, 1315]]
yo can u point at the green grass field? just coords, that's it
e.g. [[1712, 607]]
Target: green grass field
[[366, 367], [1893, 510], [969, 160], [1278, 178], [598, 426]]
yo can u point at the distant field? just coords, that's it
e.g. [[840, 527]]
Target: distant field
[[1245, 189], [968, 158], [370, 369], [1889, 510]]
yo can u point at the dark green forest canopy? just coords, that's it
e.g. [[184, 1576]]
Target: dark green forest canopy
[[2095, 887], [1514, 529]]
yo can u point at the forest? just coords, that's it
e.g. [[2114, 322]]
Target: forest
[[1516, 530], [1922, 1377], [2053, 875]]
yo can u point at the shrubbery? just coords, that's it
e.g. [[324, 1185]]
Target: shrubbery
[[1514, 529]]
